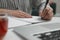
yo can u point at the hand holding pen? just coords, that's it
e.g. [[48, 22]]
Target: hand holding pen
[[47, 12]]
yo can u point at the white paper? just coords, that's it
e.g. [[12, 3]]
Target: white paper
[[37, 19], [12, 22], [34, 19], [15, 22]]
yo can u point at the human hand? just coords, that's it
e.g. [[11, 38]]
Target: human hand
[[20, 14], [47, 14]]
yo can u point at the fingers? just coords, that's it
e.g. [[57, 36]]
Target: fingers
[[47, 13], [43, 13], [50, 11], [20, 14], [49, 8], [24, 15]]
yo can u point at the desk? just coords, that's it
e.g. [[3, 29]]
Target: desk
[[12, 36]]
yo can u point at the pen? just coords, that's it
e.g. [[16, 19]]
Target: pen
[[47, 1]]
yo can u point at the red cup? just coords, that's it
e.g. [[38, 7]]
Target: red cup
[[3, 25]]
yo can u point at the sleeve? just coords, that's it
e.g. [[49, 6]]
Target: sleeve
[[53, 5], [7, 4], [3, 4], [35, 7], [40, 7], [35, 11]]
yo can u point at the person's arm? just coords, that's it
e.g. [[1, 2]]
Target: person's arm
[[16, 13], [3, 11]]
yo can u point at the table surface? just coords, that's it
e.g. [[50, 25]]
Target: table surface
[[12, 36]]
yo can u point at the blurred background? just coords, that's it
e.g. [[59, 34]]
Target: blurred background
[[55, 4], [57, 7], [30, 6]]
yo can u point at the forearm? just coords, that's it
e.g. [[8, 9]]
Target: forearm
[[4, 11], [8, 12], [16, 13]]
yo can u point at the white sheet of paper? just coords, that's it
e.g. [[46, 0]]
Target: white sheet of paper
[[12, 22], [34, 19], [37, 19]]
